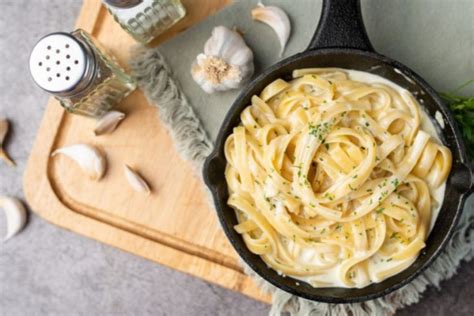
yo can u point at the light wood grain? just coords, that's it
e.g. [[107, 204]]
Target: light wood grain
[[174, 226]]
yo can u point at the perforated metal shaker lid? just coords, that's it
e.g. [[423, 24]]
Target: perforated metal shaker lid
[[58, 62]]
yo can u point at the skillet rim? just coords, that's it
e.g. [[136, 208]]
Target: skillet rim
[[225, 130]]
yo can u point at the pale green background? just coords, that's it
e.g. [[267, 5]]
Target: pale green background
[[435, 38]]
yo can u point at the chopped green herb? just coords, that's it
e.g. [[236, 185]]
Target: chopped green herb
[[395, 182], [329, 196], [319, 130]]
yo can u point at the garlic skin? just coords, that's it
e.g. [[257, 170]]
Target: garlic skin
[[136, 181], [15, 214], [277, 19], [108, 123], [3, 133], [226, 63], [89, 158]]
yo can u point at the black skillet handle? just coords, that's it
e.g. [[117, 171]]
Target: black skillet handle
[[341, 26]]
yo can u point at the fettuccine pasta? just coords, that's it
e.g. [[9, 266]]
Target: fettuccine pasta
[[334, 180]]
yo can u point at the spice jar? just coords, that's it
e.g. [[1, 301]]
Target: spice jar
[[84, 78], [145, 19]]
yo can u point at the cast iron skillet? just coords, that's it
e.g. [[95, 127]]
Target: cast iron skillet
[[341, 41]]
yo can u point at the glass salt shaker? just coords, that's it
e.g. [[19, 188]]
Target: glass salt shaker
[[145, 19], [83, 77]]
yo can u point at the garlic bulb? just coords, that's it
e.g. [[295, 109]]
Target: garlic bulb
[[89, 158], [277, 19], [136, 181], [15, 214], [227, 62]]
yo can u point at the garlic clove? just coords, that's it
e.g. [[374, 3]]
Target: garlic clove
[[15, 214], [277, 19], [4, 156], [3, 133], [108, 123], [136, 181], [89, 158], [227, 62]]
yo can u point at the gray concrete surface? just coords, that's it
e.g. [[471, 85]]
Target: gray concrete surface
[[47, 270]]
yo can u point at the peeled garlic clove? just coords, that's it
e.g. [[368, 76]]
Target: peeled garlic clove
[[3, 133], [136, 181], [226, 63], [108, 123], [89, 158], [15, 214], [277, 19]]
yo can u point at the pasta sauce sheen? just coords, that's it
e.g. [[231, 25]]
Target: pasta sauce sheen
[[426, 125], [336, 177]]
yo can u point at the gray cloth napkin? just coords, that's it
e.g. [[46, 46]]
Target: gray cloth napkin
[[433, 37], [181, 51]]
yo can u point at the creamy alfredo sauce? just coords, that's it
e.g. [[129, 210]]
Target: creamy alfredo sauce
[[331, 276]]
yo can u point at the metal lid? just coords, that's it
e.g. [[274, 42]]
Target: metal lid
[[58, 62], [123, 3]]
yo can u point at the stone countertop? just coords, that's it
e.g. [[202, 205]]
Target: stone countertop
[[47, 270]]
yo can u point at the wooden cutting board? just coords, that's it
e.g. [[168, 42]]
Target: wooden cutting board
[[174, 226]]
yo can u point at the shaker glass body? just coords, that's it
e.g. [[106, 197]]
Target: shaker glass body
[[109, 86], [79, 73], [147, 19]]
